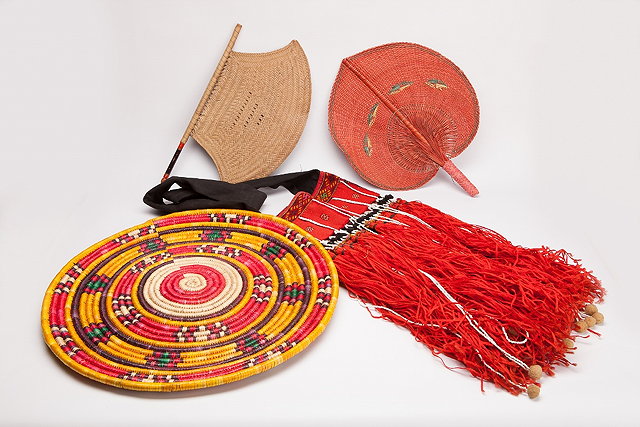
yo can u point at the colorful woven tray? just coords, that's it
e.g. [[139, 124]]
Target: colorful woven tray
[[190, 300]]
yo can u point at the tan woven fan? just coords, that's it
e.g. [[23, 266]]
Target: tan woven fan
[[253, 111]]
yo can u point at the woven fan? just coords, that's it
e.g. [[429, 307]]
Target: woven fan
[[253, 111], [401, 111]]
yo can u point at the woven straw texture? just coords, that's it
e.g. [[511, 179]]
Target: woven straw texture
[[384, 97], [253, 111], [190, 300]]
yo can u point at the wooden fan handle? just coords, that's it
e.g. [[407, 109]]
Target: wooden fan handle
[[459, 177], [203, 100]]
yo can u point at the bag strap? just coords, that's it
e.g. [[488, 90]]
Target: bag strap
[[196, 193]]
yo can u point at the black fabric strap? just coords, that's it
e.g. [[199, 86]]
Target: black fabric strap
[[195, 193]]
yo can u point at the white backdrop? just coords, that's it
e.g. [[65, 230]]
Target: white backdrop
[[94, 96]]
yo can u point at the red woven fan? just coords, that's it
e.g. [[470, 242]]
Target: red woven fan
[[399, 112]]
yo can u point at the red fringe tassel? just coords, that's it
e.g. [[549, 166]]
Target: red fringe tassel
[[526, 300]]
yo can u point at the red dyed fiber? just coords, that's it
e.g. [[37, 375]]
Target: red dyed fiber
[[401, 111], [462, 290], [506, 289]]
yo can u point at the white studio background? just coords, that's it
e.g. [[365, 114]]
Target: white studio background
[[94, 96]]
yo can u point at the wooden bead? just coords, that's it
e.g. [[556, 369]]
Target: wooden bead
[[568, 343], [590, 309], [533, 391], [590, 321], [535, 372], [599, 317], [581, 326]]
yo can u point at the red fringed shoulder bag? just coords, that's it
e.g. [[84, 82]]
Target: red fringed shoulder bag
[[507, 313]]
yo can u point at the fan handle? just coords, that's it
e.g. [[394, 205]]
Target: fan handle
[[459, 178]]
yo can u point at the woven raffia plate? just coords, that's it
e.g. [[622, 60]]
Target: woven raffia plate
[[190, 300]]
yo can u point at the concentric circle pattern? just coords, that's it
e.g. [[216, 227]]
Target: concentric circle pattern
[[190, 300]]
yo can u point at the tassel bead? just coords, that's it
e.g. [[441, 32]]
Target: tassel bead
[[590, 309], [599, 317], [581, 326], [533, 391], [535, 372]]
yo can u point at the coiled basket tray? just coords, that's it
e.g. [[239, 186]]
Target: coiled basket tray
[[190, 300]]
